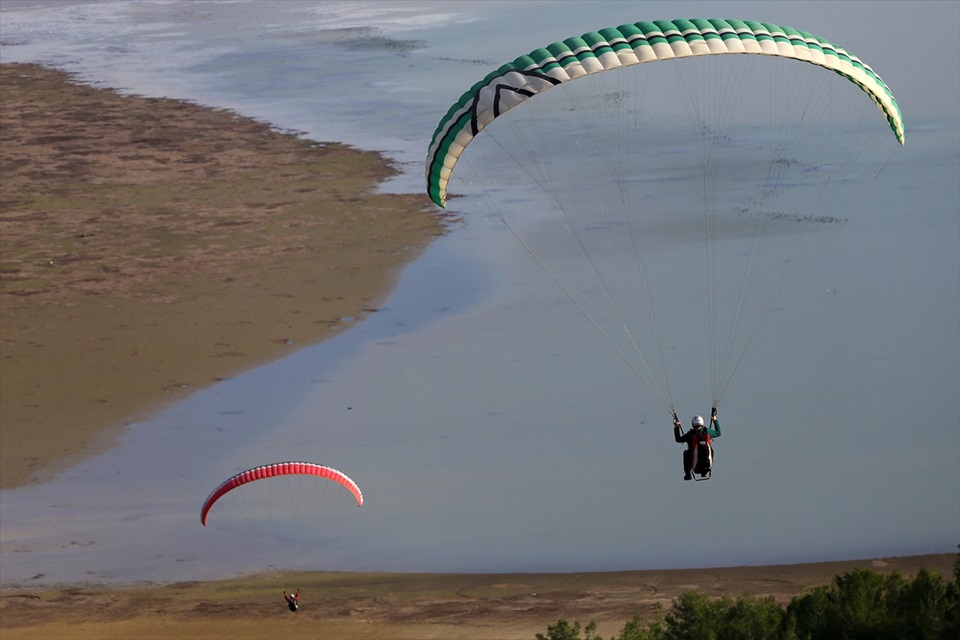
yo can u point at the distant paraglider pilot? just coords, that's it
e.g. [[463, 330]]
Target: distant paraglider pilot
[[293, 600], [698, 456]]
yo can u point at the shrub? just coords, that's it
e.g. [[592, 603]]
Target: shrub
[[859, 605]]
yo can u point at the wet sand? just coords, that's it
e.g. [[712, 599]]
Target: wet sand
[[150, 247]]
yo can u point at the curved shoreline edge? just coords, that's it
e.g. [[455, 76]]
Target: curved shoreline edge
[[150, 247]]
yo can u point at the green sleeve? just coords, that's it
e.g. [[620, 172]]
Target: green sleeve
[[714, 433]]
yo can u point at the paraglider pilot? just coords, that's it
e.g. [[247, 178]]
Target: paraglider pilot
[[293, 600], [698, 456]]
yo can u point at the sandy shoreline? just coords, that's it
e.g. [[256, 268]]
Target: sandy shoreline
[[151, 247], [393, 606]]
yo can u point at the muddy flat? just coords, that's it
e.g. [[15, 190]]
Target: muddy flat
[[150, 247], [362, 606]]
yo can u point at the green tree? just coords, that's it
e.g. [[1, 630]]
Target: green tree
[[563, 630], [865, 605], [749, 618], [853, 607], [695, 616], [922, 604], [951, 621], [860, 605], [639, 629]]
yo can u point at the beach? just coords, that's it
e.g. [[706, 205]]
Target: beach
[[152, 247]]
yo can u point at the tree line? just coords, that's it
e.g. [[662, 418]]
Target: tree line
[[859, 605]]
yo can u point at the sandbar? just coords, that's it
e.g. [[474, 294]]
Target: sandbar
[[150, 247]]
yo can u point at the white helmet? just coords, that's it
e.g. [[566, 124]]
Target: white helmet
[[697, 421]]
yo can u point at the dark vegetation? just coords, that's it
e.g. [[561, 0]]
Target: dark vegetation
[[860, 605]]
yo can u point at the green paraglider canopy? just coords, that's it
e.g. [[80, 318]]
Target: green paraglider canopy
[[616, 184], [630, 44]]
